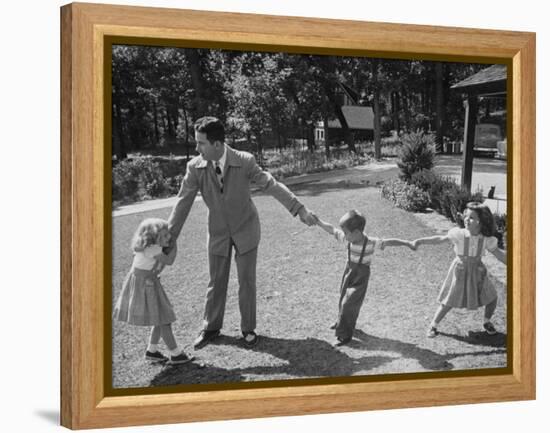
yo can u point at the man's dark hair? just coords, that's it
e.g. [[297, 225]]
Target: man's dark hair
[[212, 127]]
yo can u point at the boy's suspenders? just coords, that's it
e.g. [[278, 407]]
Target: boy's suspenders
[[365, 242]]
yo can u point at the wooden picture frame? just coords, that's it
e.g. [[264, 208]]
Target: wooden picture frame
[[84, 30]]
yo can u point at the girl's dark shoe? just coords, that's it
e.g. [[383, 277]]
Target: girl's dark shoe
[[432, 332], [182, 358], [489, 328], [155, 356]]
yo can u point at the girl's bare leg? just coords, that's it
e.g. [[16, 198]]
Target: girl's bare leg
[[154, 337], [490, 309], [440, 314], [168, 336]]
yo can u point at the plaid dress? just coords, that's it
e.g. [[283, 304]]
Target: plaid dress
[[467, 284], [142, 300]]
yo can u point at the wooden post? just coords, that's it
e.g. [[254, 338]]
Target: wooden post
[[470, 116]]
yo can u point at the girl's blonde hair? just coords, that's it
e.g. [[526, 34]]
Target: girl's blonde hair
[[147, 233]]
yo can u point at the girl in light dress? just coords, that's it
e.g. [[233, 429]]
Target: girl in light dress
[[467, 284], [142, 300]]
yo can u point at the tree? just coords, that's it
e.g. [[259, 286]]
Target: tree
[[257, 102]]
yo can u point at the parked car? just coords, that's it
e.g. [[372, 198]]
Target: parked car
[[487, 136], [501, 149]]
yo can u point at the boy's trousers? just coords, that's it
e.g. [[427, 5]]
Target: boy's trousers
[[352, 294]]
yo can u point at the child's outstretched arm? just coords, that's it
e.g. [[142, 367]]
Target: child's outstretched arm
[[397, 243], [168, 259], [500, 255], [329, 228], [430, 240]]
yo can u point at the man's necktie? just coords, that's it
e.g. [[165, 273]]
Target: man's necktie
[[219, 175]]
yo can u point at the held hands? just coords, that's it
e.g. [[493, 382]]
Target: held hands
[[398, 243], [307, 217]]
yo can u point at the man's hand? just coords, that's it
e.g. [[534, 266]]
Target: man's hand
[[307, 217]]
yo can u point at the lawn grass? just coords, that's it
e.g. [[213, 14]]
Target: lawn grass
[[299, 272]]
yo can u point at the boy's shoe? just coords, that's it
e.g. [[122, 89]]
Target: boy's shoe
[[155, 356], [489, 328], [432, 332], [204, 338], [342, 341], [182, 358], [250, 338]]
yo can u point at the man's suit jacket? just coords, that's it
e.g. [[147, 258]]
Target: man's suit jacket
[[231, 214]]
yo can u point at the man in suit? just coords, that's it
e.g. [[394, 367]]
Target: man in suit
[[223, 176]]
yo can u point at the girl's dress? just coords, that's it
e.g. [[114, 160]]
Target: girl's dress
[[143, 300], [467, 284]]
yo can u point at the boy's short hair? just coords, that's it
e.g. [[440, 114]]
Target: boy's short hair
[[352, 221], [212, 127]]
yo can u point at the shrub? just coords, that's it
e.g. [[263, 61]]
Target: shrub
[[174, 183], [501, 230], [124, 181], [416, 153], [290, 162], [445, 195], [405, 196], [138, 179]]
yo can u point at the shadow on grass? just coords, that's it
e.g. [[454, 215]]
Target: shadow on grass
[[305, 358], [479, 338], [314, 358], [428, 359]]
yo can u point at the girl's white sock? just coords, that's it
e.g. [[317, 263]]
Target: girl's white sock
[[175, 351], [152, 348], [434, 324], [485, 320]]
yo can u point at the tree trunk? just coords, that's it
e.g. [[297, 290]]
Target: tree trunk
[[195, 70], [326, 135], [186, 120], [376, 109], [156, 122], [260, 149], [310, 128], [439, 107], [406, 111], [119, 145], [395, 110]]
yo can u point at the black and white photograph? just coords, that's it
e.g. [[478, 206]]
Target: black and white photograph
[[282, 216], [101, 127]]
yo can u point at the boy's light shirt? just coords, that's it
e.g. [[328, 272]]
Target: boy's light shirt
[[355, 250]]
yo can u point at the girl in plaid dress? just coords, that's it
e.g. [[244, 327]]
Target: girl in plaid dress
[[467, 284], [142, 300]]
